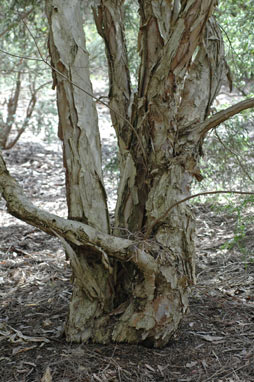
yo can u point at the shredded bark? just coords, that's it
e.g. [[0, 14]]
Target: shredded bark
[[213, 343]]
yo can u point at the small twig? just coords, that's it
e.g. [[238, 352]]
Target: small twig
[[15, 22], [233, 58], [23, 57], [236, 155], [226, 375], [160, 218]]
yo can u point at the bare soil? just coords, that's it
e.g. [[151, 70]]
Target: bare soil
[[213, 343]]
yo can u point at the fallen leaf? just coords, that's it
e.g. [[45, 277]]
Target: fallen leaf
[[20, 349], [97, 378], [149, 367], [209, 338], [47, 376], [191, 364], [162, 368]]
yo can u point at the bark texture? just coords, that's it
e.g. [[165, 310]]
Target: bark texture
[[86, 197], [155, 170], [131, 290], [179, 55], [180, 73], [78, 125]]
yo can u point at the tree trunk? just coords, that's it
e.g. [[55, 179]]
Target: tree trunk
[[86, 197], [6, 126], [120, 301], [176, 88], [131, 289]]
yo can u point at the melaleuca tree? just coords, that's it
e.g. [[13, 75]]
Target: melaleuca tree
[[131, 280]]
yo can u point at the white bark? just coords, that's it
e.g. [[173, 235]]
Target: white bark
[[131, 290], [78, 124]]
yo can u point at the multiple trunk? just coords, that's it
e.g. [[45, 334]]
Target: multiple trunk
[[131, 290], [121, 301], [86, 196]]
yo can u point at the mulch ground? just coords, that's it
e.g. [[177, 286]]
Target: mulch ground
[[213, 343]]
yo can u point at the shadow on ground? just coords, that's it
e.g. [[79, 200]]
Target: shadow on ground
[[214, 342]]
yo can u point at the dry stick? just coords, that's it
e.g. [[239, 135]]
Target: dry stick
[[217, 373], [24, 57], [222, 116], [150, 229], [236, 155], [89, 94]]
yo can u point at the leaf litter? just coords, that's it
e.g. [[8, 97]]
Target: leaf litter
[[214, 341]]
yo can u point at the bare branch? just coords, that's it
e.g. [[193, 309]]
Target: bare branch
[[72, 231], [109, 21], [11, 112], [164, 215], [29, 112], [200, 130], [236, 156], [75, 232], [23, 57], [15, 140]]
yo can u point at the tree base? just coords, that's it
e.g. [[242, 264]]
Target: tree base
[[150, 316]]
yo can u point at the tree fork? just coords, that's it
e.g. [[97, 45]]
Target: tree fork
[[135, 290]]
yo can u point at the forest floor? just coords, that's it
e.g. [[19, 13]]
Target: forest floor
[[215, 341]]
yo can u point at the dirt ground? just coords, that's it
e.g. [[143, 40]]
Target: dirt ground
[[213, 343]]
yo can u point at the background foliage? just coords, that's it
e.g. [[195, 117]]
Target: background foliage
[[19, 54], [229, 150]]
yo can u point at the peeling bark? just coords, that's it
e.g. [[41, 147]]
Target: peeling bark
[[149, 185], [86, 196], [166, 59], [158, 285], [78, 125], [109, 21], [131, 289]]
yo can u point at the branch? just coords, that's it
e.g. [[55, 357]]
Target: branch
[[12, 105], [236, 156], [23, 57], [108, 17], [71, 231], [200, 130], [164, 215], [29, 112], [75, 232], [21, 17]]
